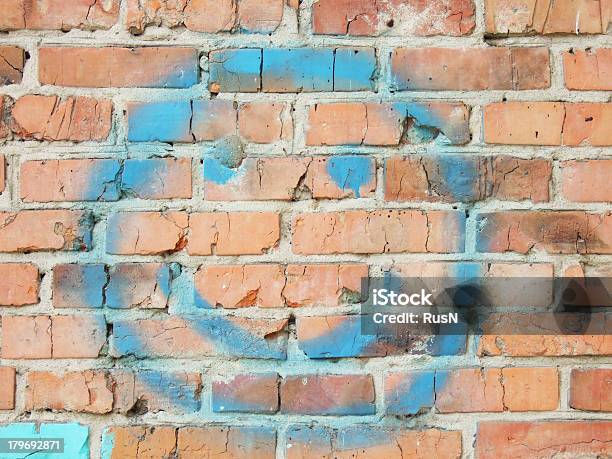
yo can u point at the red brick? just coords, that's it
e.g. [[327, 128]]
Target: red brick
[[469, 390], [2, 161], [239, 286], [587, 180], [76, 119], [138, 285], [470, 69], [434, 178], [210, 16], [544, 231], [263, 122], [530, 389], [232, 442], [146, 233], [7, 388], [324, 285], [338, 177], [588, 70], [20, 282], [549, 17], [249, 393], [373, 124], [224, 233], [26, 337], [118, 67], [328, 395], [544, 345], [538, 440], [135, 441], [393, 17], [12, 60], [83, 392], [591, 389], [370, 441], [69, 180], [381, 231], [59, 14], [78, 336], [39, 230], [548, 123], [255, 179]]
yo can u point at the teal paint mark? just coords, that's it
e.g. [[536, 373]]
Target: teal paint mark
[[350, 172], [160, 121], [101, 181], [297, 69], [235, 70], [413, 395], [108, 443], [76, 439], [144, 177], [215, 171]]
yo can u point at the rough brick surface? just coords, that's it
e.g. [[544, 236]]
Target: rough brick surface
[[195, 197]]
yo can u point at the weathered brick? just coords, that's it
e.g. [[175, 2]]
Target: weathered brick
[[20, 283], [530, 389], [549, 17], [206, 15], [138, 285], [133, 441], [43, 337], [544, 231], [119, 67], [239, 286], [328, 394], [180, 120], [7, 388], [545, 345], [372, 124], [59, 15], [451, 178], [591, 389], [339, 177], [409, 392], [324, 285], [305, 442], [548, 123], [12, 61], [393, 17], [470, 69], [248, 393], [78, 285], [146, 233], [39, 230], [75, 119], [536, 440], [200, 337], [2, 161], [157, 178], [380, 231], [292, 69], [587, 180], [70, 180], [338, 336], [26, 337], [223, 233], [84, 392], [265, 122], [590, 69], [233, 441]]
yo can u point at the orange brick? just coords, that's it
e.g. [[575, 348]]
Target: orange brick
[[39, 230], [262, 122], [81, 392], [233, 233], [470, 69], [146, 233], [591, 389], [19, 285], [12, 60], [545, 345], [530, 389], [78, 336], [7, 388], [75, 119], [26, 337], [59, 14], [537, 440], [586, 181], [381, 231], [588, 70], [119, 67], [469, 390], [134, 441]]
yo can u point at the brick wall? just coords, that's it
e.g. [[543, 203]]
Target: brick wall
[[191, 191]]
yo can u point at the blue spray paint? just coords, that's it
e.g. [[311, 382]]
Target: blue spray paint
[[354, 69], [160, 121], [351, 172]]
